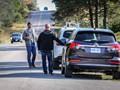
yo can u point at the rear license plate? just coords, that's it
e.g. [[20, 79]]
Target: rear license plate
[[95, 50]]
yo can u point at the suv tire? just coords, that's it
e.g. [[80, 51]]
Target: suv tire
[[116, 75], [68, 72]]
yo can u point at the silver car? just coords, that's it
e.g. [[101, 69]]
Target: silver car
[[63, 35]]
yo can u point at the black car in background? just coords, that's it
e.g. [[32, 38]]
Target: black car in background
[[90, 49], [16, 37]]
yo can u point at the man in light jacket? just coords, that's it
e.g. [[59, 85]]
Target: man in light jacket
[[30, 40]]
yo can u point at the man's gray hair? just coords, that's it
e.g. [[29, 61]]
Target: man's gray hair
[[47, 25]]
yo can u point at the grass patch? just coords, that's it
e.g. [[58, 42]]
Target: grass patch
[[18, 27], [4, 38], [92, 75], [106, 77]]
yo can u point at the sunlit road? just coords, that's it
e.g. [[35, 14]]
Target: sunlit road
[[15, 74]]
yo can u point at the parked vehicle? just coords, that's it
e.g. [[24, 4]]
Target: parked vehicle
[[16, 37], [90, 49], [63, 35], [46, 8]]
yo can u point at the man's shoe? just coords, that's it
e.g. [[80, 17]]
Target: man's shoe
[[31, 66], [51, 73], [34, 65], [45, 72]]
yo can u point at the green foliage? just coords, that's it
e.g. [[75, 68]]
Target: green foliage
[[114, 15], [7, 14], [18, 17], [115, 25], [32, 6], [11, 11], [79, 9]]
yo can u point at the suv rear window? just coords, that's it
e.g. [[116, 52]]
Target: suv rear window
[[95, 36], [67, 33]]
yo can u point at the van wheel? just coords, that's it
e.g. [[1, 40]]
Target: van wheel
[[116, 75], [68, 72], [62, 70], [55, 64]]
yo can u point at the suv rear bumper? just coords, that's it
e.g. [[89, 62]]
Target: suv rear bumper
[[94, 67]]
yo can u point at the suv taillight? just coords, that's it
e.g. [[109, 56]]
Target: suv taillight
[[116, 62], [74, 60], [115, 46], [74, 44]]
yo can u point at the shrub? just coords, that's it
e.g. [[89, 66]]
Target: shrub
[[18, 17], [115, 25]]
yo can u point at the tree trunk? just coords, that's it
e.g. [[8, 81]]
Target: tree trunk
[[90, 13], [105, 14], [96, 14]]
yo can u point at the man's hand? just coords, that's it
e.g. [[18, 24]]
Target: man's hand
[[39, 52], [28, 38]]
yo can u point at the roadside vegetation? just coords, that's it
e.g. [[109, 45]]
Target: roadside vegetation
[[89, 13], [13, 15]]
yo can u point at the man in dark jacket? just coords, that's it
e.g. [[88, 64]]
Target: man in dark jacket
[[45, 45]]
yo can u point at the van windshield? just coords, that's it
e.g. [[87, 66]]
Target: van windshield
[[67, 33]]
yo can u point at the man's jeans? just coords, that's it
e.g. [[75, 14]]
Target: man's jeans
[[50, 63], [31, 49]]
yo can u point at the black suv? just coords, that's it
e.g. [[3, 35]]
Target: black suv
[[90, 49], [16, 37]]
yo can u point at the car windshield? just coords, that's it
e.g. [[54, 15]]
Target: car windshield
[[16, 35], [101, 37], [67, 33]]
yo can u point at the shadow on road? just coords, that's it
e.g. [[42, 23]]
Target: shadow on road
[[13, 48], [32, 75], [21, 70]]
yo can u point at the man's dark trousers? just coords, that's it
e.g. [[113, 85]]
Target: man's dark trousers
[[49, 56]]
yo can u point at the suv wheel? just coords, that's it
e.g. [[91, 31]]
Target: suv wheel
[[116, 75], [108, 73], [68, 72], [11, 41]]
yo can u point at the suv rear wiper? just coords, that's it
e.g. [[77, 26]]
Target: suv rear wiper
[[103, 41], [100, 41]]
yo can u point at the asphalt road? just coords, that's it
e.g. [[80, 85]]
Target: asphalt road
[[15, 74]]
